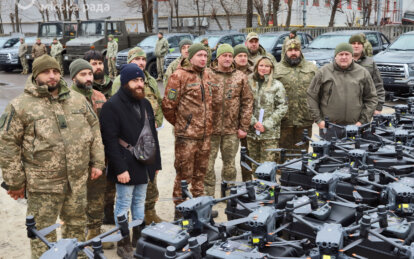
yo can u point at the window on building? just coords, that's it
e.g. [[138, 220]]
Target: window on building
[[359, 4], [315, 2], [340, 4], [327, 3]]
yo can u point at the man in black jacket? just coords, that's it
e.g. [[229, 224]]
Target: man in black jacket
[[123, 118]]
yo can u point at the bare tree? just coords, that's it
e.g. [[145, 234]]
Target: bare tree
[[249, 14], [146, 11], [16, 15], [276, 6], [289, 14], [335, 6], [86, 10], [366, 11], [258, 4], [224, 5], [1, 22], [214, 15], [350, 19]]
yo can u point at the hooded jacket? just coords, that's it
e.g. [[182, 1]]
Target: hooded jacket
[[48, 143], [261, 53], [187, 102], [232, 100]]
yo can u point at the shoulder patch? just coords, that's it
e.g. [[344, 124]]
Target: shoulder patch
[[3, 120], [172, 94]]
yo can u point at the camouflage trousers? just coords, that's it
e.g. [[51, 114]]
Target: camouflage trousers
[[112, 67], [96, 201], [246, 174], [228, 145], [191, 161], [160, 67], [25, 65], [46, 207], [59, 59], [257, 150], [289, 136], [152, 194]]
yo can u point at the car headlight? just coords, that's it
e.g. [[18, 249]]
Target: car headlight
[[15, 55], [411, 66]]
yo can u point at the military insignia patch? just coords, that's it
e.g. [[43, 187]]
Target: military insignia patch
[[172, 94]]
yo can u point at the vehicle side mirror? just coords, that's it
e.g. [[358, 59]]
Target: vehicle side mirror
[[384, 46], [278, 46]]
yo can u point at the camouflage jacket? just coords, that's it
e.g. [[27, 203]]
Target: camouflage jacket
[[296, 81], [232, 101], [368, 49], [171, 69], [209, 54], [253, 58], [161, 48], [106, 87], [94, 97], [38, 50], [248, 69], [271, 98], [112, 49], [187, 102], [48, 144], [345, 96], [22, 49], [152, 94], [56, 49], [369, 64]]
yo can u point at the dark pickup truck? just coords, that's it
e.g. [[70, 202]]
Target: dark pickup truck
[[396, 64], [321, 50]]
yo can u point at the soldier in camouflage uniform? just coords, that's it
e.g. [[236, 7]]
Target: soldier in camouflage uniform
[[82, 76], [38, 49], [161, 49], [56, 53], [111, 52], [232, 110], [139, 57], [295, 73], [256, 51], [22, 56], [292, 35], [50, 143], [187, 106], [184, 46], [269, 95], [368, 63], [103, 84], [367, 46], [209, 51]]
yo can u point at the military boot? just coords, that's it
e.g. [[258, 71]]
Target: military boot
[[151, 216], [124, 248], [109, 214], [136, 234], [95, 232]]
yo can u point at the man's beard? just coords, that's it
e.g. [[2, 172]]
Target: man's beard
[[98, 75], [135, 93], [293, 61], [86, 85], [253, 52], [50, 86]]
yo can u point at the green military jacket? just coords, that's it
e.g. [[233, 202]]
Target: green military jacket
[[368, 49], [106, 87], [152, 94], [48, 144], [112, 49], [22, 49], [296, 81], [253, 58], [369, 64], [209, 54], [56, 49], [161, 48], [345, 96], [271, 98]]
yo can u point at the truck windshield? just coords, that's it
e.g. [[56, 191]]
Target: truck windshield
[[92, 29], [51, 30], [328, 41], [149, 41], [268, 41], [405, 42]]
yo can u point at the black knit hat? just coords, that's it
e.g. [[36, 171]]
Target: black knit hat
[[129, 72]]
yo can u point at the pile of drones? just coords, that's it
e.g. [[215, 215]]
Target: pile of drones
[[348, 198]]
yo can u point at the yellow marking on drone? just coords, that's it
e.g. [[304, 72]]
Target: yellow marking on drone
[[404, 206], [326, 257], [255, 240], [317, 194], [314, 155], [185, 222]]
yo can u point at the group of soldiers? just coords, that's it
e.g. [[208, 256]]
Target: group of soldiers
[[51, 148]]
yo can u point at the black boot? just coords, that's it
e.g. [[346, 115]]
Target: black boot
[[109, 214], [136, 234], [124, 248]]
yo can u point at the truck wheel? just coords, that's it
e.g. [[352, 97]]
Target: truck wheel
[[152, 69]]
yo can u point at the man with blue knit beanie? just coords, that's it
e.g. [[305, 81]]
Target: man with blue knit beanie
[[122, 120]]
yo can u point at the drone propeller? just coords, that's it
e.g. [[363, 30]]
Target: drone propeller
[[235, 222], [360, 188], [282, 227], [246, 165], [345, 204], [352, 244], [49, 229]]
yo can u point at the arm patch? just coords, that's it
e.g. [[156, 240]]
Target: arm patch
[[172, 94]]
